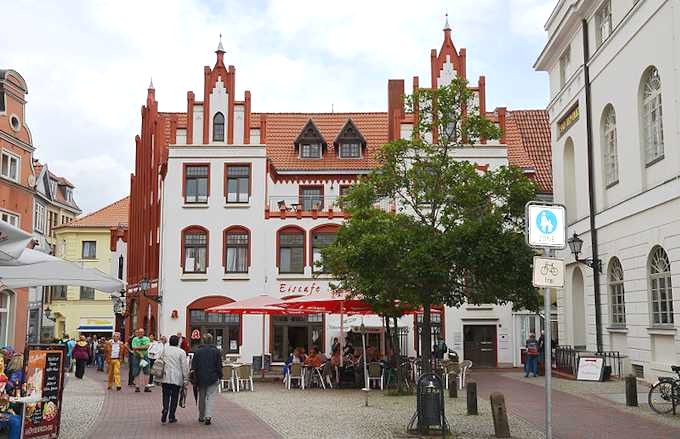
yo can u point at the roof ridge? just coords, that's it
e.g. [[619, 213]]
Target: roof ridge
[[339, 113], [78, 220]]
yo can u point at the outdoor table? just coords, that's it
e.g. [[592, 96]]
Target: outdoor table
[[310, 371]]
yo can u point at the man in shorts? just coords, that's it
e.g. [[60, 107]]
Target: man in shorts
[[140, 365]]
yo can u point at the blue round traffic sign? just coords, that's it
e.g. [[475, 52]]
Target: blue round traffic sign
[[546, 221]]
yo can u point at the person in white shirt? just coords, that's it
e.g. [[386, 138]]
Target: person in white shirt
[[155, 351], [114, 354]]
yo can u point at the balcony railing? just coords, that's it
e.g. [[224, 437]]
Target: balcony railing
[[311, 206]]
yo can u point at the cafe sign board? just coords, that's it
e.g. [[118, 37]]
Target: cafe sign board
[[44, 368], [590, 369]]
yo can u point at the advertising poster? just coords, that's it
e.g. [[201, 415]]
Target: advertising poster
[[44, 382], [589, 369]]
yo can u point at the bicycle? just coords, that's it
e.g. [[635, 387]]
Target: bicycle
[[664, 395]]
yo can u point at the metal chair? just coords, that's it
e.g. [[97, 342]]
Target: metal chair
[[295, 372], [451, 369], [244, 375], [375, 374], [464, 367], [227, 380]]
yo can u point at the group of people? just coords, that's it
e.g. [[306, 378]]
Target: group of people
[[203, 370]]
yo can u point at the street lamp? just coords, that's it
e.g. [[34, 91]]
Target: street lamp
[[575, 245], [48, 314], [144, 286]]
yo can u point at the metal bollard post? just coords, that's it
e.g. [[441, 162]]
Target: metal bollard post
[[631, 391], [500, 415], [471, 398]]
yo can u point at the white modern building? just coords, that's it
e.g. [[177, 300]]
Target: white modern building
[[613, 66], [248, 199]]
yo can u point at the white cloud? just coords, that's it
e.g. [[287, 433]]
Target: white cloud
[[87, 65]]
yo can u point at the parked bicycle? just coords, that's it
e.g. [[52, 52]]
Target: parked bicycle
[[664, 395]]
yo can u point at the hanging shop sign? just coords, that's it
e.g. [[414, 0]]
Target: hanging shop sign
[[45, 385]]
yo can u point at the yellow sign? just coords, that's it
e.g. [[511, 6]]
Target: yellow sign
[[96, 321], [567, 121]]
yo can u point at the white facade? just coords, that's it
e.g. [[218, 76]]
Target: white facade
[[637, 195]]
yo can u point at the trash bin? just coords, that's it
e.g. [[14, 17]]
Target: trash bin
[[430, 402]]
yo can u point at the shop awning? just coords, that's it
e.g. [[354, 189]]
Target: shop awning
[[95, 325]]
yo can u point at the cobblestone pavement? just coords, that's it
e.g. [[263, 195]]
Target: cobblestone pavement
[[574, 417], [341, 414], [81, 404]]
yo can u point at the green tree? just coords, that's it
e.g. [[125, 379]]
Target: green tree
[[455, 234]]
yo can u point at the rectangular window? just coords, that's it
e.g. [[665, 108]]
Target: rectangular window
[[86, 293], [9, 218], [319, 242], [237, 252], [564, 64], [10, 166], [291, 253], [195, 252], [350, 150], [310, 151], [196, 179], [59, 292], [238, 183], [89, 249], [311, 197], [39, 220], [603, 22]]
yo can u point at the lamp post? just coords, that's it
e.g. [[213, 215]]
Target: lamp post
[[48, 314], [144, 286], [575, 245]]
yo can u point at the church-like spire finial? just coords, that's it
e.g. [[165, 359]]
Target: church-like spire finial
[[151, 87], [446, 23], [220, 47]]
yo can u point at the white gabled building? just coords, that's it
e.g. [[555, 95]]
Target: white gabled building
[[248, 199], [631, 60]]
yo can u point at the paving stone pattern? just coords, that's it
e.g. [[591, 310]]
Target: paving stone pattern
[[81, 405]]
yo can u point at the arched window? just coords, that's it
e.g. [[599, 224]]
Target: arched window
[[611, 157], [570, 180], [321, 237], [291, 250], [660, 287], [236, 250], [194, 249], [651, 116], [617, 293], [218, 127]]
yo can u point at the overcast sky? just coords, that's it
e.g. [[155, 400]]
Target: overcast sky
[[88, 63]]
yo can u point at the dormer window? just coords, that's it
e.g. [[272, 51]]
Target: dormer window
[[310, 151], [310, 143], [218, 127], [350, 142]]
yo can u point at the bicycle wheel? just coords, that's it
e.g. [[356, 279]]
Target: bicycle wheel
[[660, 397]]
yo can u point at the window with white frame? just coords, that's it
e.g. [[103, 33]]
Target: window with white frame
[[292, 252], [196, 184], [6, 312], [350, 150], [237, 250], [652, 116], [195, 243], [39, 217], [9, 218], [660, 287], [611, 159], [310, 151], [89, 250], [617, 293], [238, 183], [86, 293], [564, 65], [603, 22], [319, 242], [10, 166]]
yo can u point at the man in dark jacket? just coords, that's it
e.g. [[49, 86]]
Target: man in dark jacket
[[207, 367]]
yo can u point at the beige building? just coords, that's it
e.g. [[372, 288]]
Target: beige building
[[97, 240]]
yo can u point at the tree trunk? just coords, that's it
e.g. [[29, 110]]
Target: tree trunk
[[426, 339]]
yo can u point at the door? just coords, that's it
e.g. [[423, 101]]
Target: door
[[479, 345]]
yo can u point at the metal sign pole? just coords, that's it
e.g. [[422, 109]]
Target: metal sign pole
[[547, 362]]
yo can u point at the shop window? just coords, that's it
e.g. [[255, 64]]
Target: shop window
[[196, 183], [195, 250], [237, 250], [238, 183], [290, 332]]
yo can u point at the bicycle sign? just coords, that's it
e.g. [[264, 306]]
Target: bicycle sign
[[548, 272], [546, 225]]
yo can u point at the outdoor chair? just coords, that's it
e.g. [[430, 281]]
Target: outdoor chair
[[295, 372], [227, 382], [375, 374], [451, 369], [316, 376], [328, 372], [244, 377], [464, 367]]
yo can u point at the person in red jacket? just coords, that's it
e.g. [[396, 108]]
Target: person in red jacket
[[183, 342], [81, 353]]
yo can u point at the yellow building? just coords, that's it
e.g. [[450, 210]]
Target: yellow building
[[97, 240]]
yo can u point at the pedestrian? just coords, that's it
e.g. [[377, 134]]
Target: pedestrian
[[531, 365], [140, 364], [81, 353], [176, 376], [70, 344], [207, 365], [91, 342], [114, 354], [155, 351], [183, 342], [99, 353]]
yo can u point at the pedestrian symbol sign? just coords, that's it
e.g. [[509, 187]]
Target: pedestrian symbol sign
[[546, 225]]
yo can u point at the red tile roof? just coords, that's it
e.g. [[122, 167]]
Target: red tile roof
[[528, 140], [113, 215], [283, 128]]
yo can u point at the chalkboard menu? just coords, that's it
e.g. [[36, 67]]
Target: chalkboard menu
[[257, 362], [44, 383]]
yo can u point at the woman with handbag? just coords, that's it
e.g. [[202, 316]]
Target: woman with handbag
[[81, 352], [171, 369]]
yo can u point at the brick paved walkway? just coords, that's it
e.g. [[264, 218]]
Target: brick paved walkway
[[127, 414], [573, 417]]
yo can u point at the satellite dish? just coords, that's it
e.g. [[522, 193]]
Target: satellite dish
[[31, 180]]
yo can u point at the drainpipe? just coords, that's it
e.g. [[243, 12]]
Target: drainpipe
[[591, 189]]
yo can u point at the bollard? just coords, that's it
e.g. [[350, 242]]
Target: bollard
[[453, 391], [631, 391], [471, 398], [500, 415]]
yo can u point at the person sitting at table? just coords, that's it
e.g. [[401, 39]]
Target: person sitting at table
[[300, 355], [313, 360], [349, 349], [372, 354]]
